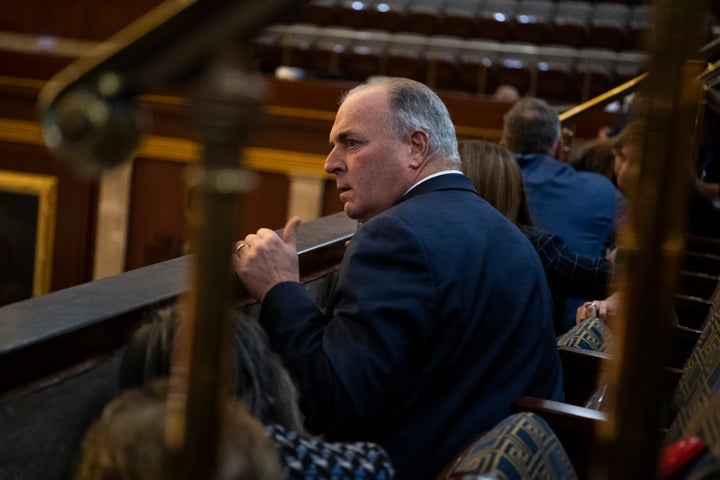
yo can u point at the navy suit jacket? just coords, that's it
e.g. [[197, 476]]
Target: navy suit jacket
[[441, 318], [581, 207]]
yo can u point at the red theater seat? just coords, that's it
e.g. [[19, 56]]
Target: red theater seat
[[459, 18], [594, 76], [608, 26], [532, 21], [423, 16], [364, 59], [406, 59], [556, 78], [353, 13], [441, 68], [320, 12], [477, 71], [517, 70], [495, 19], [389, 15], [570, 25], [329, 53], [298, 50], [267, 51], [639, 27]]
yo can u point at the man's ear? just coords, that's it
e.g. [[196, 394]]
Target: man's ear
[[419, 146]]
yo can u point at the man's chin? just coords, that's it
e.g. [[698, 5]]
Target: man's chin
[[349, 211]]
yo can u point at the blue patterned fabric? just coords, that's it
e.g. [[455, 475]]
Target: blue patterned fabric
[[701, 378], [715, 307], [591, 334], [706, 425], [310, 459], [521, 447]]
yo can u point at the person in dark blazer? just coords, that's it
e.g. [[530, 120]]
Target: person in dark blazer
[[583, 208], [441, 317], [498, 179]]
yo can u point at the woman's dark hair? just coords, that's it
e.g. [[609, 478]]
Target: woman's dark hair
[[596, 156], [264, 384]]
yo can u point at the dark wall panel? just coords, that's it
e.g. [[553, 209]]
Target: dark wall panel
[[84, 19], [76, 211], [158, 225]]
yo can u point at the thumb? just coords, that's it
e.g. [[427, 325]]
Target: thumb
[[290, 231]]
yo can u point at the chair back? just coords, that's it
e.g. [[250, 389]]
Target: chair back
[[522, 446]]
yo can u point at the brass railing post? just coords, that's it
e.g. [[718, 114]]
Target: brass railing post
[[224, 107], [652, 237]]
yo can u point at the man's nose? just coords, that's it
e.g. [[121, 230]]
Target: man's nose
[[333, 162]]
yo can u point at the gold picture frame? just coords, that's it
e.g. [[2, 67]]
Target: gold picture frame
[[28, 204]]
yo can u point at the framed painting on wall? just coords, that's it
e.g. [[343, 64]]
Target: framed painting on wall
[[27, 234]]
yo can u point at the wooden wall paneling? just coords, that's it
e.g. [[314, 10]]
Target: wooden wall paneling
[[292, 134], [75, 221], [157, 223], [18, 97], [295, 134], [31, 65], [267, 203], [72, 18], [331, 200]]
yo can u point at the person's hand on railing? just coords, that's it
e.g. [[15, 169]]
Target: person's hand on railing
[[601, 309], [710, 190], [264, 260]]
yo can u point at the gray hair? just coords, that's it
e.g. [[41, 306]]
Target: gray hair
[[531, 126], [414, 106]]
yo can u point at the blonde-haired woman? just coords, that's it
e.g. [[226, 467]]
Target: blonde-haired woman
[[498, 179]]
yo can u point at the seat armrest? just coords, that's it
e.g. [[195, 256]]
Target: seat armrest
[[574, 426], [581, 369], [561, 415], [691, 311]]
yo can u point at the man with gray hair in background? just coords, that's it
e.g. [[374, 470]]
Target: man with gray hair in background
[[581, 207], [441, 316]]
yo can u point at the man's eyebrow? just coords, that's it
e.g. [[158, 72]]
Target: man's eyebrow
[[341, 137]]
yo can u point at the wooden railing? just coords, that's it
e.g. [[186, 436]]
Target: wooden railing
[[59, 353], [44, 337], [709, 77]]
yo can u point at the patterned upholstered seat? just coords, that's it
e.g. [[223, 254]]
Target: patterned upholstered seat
[[701, 378], [715, 304], [591, 334], [520, 447]]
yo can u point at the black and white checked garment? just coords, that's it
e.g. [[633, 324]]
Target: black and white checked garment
[[310, 459]]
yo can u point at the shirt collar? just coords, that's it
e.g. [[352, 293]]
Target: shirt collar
[[444, 172]]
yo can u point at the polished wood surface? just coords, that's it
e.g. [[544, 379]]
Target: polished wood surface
[[61, 329], [296, 118], [60, 352]]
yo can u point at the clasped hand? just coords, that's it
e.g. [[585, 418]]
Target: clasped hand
[[264, 259]]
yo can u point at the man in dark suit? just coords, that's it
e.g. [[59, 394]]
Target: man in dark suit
[[581, 207], [441, 317]]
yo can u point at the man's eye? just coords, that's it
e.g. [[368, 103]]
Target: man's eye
[[351, 144]]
